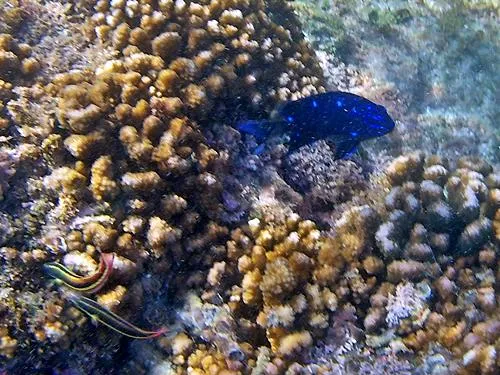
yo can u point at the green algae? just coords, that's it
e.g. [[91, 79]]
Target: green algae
[[385, 19], [325, 30]]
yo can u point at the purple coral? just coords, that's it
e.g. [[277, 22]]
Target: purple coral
[[326, 182], [8, 161], [408, 301]]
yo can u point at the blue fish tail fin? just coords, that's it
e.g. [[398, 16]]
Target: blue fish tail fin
[[260, 129]]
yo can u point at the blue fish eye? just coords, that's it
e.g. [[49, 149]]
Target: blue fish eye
[[315, 104], [339, 103], [354, 134], [289, 119]]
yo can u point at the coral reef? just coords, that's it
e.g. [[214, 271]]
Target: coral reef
[[295, 285], [111, 153], [438, 232], [442, 213], [116, 137], [298, 296]]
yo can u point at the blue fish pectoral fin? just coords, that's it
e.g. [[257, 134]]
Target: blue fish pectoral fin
[[260, 129], [344, 149]]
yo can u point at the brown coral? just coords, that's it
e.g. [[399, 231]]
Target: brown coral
[[122, 162], [438, 211], [128, 167], [294, 279], [435, 215]]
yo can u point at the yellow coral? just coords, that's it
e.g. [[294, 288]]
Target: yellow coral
[[112, 299], [8, 346], [294, 342], [65, 179]]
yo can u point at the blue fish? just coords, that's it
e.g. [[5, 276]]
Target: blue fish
[[343, 118]]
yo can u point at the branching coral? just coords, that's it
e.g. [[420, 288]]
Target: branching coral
[[15, 57], [290, 287], [16, 68], [291, 283], [439, 230], [125, 139], [124, 157], [275, 270], [438, 211]]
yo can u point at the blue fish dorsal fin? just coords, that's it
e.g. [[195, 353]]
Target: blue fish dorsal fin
[[344, 149], [260, 129]]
